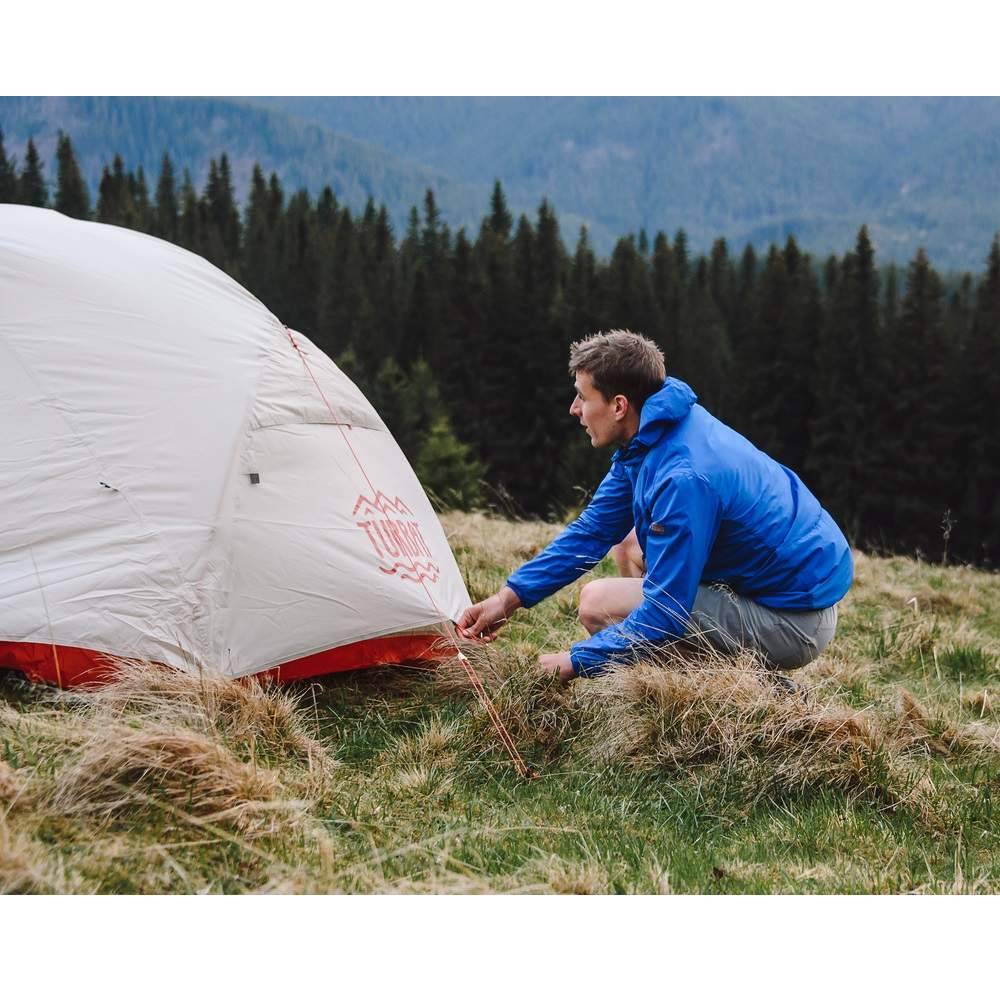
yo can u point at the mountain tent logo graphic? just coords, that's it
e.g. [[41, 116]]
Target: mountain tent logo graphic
[[396, 538]]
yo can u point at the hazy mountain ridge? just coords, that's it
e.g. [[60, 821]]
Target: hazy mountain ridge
[[194, 130], [919, 172]]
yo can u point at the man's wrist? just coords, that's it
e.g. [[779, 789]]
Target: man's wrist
[[508, 596]]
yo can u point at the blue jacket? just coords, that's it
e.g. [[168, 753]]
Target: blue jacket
[[707, 506]]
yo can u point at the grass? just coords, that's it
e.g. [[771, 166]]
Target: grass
[[682, 775]]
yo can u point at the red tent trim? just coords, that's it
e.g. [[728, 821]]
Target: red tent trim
[[71, 666]]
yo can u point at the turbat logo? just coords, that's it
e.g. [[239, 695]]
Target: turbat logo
[[395, 537]]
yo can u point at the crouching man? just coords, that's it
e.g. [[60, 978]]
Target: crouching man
[[714, 538]]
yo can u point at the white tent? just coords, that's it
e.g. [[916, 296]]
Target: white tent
[[184, 480]]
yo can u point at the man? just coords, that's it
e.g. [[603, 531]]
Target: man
[[734, 547]]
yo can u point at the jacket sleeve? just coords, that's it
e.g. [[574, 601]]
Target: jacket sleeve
[[605, 521], [685, 522]]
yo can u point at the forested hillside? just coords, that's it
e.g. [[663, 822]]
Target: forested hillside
[[880, 386]]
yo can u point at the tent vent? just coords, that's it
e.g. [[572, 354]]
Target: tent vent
[[254, 478]]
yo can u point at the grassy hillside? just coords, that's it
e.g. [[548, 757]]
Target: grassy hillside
[[676, 776]]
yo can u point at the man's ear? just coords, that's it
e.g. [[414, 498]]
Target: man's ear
[[621, 407]]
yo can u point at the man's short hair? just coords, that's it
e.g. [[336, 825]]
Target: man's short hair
[[620, 363]]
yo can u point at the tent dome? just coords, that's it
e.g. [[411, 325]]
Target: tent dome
[[184, 480]]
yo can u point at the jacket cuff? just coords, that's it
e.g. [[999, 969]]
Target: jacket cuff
[[583, 664], [526, 602]]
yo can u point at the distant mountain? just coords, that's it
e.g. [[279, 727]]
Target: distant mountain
[[194, 130], [919, 171]]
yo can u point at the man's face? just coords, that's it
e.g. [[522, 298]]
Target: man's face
[[602, 418]]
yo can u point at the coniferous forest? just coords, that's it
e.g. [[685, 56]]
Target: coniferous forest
[[878, 384]]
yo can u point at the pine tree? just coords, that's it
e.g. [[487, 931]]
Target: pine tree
[[115, 204], [8, 176], [300, 266], [919, 475], [759, 357], [978, 457], [669, 295], [850, 393], [221, 236], [165, 212], [107, 207], [499, 377], [418, 319], [500, 220], [31, 187], [225, 214], [629, 302], [72, 196], [380, 274], [583, 289], [383, 245], [260, 265], [722, 280], [890, 302], [423, 333], [142, 213], [681, 256], [704, 355], [447, 469], [189, 230], [326, 207], [777, 367], [344, 312], [742, 326]]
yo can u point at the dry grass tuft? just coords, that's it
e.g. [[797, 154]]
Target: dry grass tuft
[[677, 715], [11, 784], [923, 728], [906, 585], [433, 745], [201, 748], [984, 701], [939, 735], [26, 866], [251, 717], [421, 781], [536, 711], [123, 771], [582, 879], [260, 725]]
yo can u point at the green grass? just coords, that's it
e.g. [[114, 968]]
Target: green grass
[[679, 776]]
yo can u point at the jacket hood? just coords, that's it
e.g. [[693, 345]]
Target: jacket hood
[[665, 407]]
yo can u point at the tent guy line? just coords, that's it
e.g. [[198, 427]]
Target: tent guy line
[[474, 679]]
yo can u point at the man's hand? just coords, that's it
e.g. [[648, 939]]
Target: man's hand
[[482, 621], [557, 664]]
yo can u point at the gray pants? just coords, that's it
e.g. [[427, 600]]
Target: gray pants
[[785, 639]]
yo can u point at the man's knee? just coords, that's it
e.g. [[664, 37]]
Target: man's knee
[[604, 602], [593, 612]]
